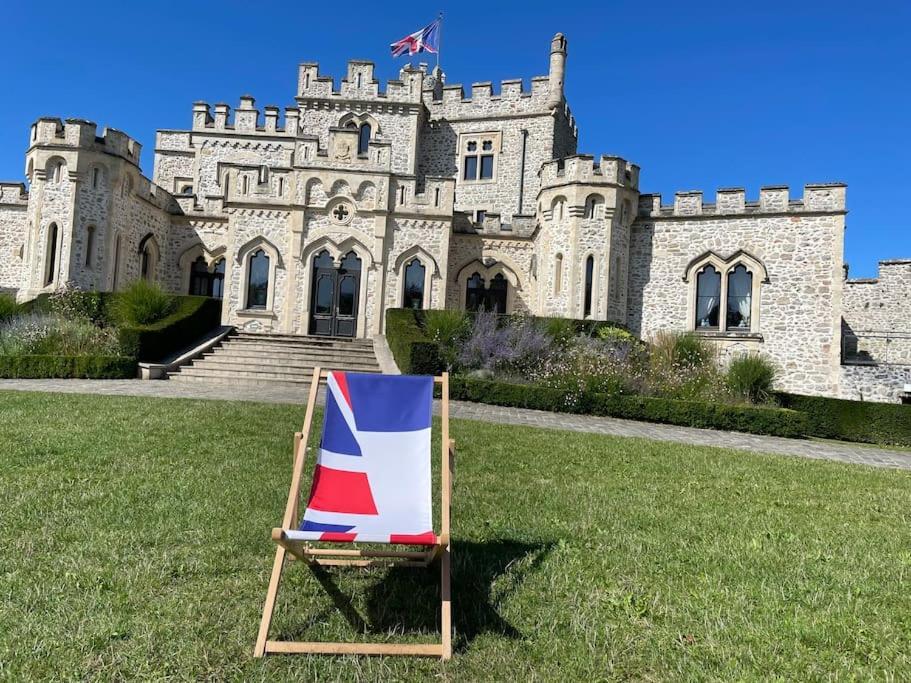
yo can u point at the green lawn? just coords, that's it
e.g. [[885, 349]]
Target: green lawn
[[134, 543]]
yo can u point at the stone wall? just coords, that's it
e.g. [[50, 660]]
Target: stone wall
[[13, 226], [800, 245], [880, 383], [877, 314]]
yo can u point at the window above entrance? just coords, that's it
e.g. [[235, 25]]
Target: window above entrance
[[478, 153]]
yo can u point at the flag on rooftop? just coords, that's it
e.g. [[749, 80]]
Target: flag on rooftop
[[425, 40]]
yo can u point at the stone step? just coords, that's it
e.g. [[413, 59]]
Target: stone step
[[316, 354], [214, 360], [240, 383], [298, 339], [257, 374]]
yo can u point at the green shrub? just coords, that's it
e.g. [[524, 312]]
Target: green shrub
[[751, 419], [192, 318], [448, 328], [615, 334], [750, 377], [8, 306], [413, 351], [75, 304], [561, 330], [142, 303], [51, 334], [887, 424], [67, 367]]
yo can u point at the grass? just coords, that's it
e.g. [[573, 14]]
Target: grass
[[135, 544]]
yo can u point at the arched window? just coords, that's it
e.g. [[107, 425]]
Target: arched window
[[589, 285], [258, 280], [363, 138], [58, 171], [148, 258], [496, 294], [115, 273], [557, 208], [740, 290], [96, 177], [708, 298], [414, 285], [199, 277], [594, 206], [474, 292], [50, 273], [558, 274], [218, 279], [89, 245]]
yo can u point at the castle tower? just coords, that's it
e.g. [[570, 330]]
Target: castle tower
[[557, 70]]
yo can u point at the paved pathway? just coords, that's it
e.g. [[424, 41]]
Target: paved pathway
[[821, 450]]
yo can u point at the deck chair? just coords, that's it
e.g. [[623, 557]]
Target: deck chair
[[371, 484]]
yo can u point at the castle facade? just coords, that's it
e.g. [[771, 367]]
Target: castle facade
[[316, 219]]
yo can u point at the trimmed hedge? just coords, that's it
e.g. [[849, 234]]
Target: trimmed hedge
[[752, 419], [67, 367], [863, 421], [193, 317], [414, 352]]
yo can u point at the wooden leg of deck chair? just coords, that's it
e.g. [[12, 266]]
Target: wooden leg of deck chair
[[446, 611], [269, 607]]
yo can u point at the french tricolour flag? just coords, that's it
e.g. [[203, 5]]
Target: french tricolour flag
[[373, 479], [425, 40]]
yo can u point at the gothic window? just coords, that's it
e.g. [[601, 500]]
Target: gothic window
[[245, 184], [558, 274], [474, 292], [218, 279], [148, 258], [589, 286], [708, 298], [739, 298], [363, 139], [96, 176], [263, 174], [594, 206], [558, 208], [478, 156], [51, 270], [199, 277], [89, 245], [496, 294], [414, 285], [258, 280], [281, 187], [57, 171]]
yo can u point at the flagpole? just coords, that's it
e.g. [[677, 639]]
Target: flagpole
[[440, 40]]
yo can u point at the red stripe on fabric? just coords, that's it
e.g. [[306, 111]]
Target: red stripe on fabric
[[342, 382], [337, 536], [341, 491], [427, 538]]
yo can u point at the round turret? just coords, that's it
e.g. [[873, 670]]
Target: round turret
[[557, 70]]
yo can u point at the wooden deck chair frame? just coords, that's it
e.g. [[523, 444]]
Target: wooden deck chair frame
[[303, 551]]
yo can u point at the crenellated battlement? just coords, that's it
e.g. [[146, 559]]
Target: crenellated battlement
[[83, 134], [817, 198], [513, 99], [582, 168], [13, 194], [246, 118], [359, 84]]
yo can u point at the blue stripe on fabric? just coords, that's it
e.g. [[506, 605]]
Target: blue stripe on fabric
[[308, 525], [337, 437], [390, 403]]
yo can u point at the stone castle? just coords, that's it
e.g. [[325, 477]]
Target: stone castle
[[316, 219]]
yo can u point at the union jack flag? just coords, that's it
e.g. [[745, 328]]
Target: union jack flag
[[425, 40], [372, 477]]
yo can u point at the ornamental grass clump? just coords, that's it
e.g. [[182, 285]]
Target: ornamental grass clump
[[683, 366], [448, 328], [143, 303], [750, 377], [50, 334], [8, 306]]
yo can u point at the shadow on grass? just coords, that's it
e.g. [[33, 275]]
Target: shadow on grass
[[406, 601]]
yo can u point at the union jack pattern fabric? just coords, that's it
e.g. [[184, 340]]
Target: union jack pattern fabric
[[425, 40], [372, 480]]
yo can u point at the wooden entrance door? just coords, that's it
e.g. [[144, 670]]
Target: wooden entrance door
[[335, 295]]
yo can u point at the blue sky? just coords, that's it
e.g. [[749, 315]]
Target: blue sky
[[700, 95]]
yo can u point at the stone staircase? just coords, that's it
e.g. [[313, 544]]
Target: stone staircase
[[265, 359]]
